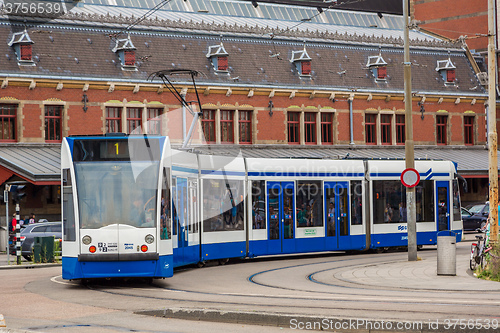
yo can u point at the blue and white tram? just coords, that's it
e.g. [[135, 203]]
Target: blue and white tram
[[436, 195], [115, 210], [134, 207], [305, 205]]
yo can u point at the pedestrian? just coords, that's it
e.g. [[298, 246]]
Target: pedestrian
[[31, 220], [13, 223]]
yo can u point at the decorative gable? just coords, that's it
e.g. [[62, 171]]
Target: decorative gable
[[302, 62], [22, 44], [125, 50], [219, 58], [446, 69], [378, 66]]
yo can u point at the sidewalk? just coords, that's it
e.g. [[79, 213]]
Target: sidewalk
[[4, 262]]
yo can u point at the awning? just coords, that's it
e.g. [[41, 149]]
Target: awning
[[471, 161], [39, 164]]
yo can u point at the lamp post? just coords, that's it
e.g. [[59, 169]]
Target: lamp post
[[492, 128]]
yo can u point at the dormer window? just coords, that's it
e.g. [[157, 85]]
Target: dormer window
[[378, 66], [130, 58], [450, 75], [26, 52], [381, 72], [219, 58], [447, 71], [302, 62], [222, 63], [125, 50], [21, 42]]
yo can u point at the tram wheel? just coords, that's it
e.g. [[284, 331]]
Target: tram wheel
[[223, 261], [200, 264]]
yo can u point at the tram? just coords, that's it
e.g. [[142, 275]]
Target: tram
[[115, 207], [135, 207]]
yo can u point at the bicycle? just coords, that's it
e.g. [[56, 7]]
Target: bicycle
[[478, 252]]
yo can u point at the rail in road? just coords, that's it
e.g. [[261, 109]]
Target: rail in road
[[334, 291]]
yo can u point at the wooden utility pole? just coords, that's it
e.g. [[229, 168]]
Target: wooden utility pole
[[409, 146], [492, 128]]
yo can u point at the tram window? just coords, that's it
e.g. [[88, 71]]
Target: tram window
[[68, 208], [259, 218], [117, 193], [456, 202], [165, 217], [66, 177], [356, 202], [223, 205], [175, 218], [424, 197], [389, 201], [309, 200]]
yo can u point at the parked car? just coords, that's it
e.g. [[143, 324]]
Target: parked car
[[31, 231], [478, 215]]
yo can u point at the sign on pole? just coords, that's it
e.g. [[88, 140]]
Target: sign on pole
[[410, 177]]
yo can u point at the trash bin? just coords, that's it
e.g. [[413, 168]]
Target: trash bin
[[37, 250], [48, 249], [446, 253]]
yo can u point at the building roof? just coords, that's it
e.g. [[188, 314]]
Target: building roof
[[40, 164], [65, 52]]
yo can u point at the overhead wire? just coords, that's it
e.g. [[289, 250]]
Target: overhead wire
[[141, 18], [276, 54]]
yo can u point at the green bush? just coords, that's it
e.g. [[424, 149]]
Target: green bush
[[491, 271]]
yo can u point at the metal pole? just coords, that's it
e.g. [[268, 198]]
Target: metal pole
[[6, 199], [183, 118], [351, 129], [492, 133], [409, 147], [18, 235]]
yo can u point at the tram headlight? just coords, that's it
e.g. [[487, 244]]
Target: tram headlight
[[86, 240], [144, 248], [149, 239]]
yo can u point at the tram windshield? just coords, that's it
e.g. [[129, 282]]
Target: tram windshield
[[117, 192]]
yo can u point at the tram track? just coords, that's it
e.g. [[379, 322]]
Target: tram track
[[394, 299]]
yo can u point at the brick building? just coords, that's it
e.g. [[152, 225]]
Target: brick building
[[269, 85]]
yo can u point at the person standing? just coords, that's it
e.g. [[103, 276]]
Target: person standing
[[13, 223], [31, 220]]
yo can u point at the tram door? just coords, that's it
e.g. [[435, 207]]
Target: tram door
[[183, 253], [280, 217], [193, 222], [337, 215], [443, 205]]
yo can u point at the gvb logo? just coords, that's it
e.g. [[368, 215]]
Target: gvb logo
[[402, 228]]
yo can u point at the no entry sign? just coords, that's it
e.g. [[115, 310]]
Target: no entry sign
[[410, 177]]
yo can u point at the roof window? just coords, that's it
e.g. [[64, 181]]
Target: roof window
[[378, 66], [21, 42], [446, 69], [302, 62], [125, 50], [219, 58]]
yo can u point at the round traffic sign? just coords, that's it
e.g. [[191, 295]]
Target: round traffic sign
[[410, 177]]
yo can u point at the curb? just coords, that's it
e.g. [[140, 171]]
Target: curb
[[306, 322], [28, 266]]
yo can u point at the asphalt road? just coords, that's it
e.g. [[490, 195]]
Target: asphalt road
[[333, 291]]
